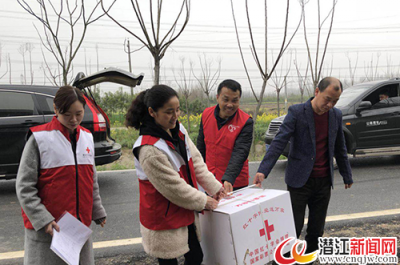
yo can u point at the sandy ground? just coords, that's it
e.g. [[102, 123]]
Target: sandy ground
[[390, 227]]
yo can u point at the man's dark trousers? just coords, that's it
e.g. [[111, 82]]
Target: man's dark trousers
[[316, 193]]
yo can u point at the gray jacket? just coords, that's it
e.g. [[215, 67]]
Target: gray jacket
[[37, 242]]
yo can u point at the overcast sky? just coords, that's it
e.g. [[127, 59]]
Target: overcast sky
[[362, 29]]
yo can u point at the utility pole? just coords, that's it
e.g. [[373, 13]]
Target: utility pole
[[97, 87], [128, 45]]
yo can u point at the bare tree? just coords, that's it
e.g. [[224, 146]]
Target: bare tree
[[69, 15], [9, 67], [52, 74], [390, 71], [208, 78], [22, 50], [185, 85], [263, 67], [371, 69], [29, 48], [1, 57], [43, 68], [352, 69], [328, 69], [302, 79], [156, 44], [279, 79], [317, 63]]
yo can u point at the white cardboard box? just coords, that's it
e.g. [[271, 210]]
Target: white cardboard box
[[247, 227]]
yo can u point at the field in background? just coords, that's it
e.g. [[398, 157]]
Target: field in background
[[127, 137]]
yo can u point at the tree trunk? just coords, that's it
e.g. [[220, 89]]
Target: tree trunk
[[23, 59], [277, 101], [315, 85], [156, 70], [258, 106], [9, 66], [65, 77], [286, 96], [188, 114], [30, 64]]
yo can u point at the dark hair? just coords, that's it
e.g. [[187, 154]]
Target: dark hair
[[154, 97], [384, 92], [325, 82], [230, 84], [66, 96]]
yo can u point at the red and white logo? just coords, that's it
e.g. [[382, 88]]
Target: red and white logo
[[269, 228], [232, 128]]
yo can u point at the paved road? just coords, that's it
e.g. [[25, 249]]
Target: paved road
[[377, 181]]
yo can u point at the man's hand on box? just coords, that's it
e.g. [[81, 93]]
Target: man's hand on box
[[258, 179], [211, 203], [228, 186]]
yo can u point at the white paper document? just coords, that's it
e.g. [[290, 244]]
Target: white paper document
[[68, 243]]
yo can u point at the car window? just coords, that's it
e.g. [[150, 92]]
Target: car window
[[390, 90], [387, 103], [46, 104], [351, 93], [16, 104]]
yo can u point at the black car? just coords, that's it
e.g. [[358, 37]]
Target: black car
[[371, 127], [23, 106]]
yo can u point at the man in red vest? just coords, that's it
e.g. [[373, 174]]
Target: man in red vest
[[225, 137]]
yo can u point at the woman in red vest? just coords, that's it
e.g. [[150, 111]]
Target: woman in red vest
[[56, 174], [170, 170]]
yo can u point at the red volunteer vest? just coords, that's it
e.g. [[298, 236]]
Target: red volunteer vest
[[220, 143], [156, 211], [58, 185]]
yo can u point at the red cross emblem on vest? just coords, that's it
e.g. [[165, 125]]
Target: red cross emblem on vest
[[269, 228], [88, 150]]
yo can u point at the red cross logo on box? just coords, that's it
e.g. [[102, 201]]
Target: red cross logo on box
[[269, 228]]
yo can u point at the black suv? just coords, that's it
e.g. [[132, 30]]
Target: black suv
[[371, 127], [23, 106]]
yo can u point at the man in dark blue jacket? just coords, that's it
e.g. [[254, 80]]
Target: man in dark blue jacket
[[314, 129]]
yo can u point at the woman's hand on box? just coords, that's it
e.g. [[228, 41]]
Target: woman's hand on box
[[220, 194], [211, 203]]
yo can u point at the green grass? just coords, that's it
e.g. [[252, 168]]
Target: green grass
[[113, 166], [127, 137]]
